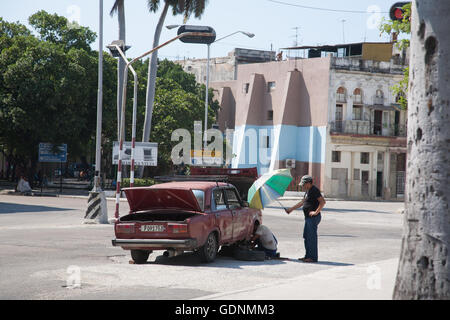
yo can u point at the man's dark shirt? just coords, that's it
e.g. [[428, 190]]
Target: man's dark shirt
[[311, 203]]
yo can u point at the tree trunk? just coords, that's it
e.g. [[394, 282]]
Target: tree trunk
[[151, 81], [120, 65], [424, 268]]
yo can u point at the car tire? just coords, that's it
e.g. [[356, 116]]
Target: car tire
[[227, 251], [140, 256], [249, 255], [208, 251]]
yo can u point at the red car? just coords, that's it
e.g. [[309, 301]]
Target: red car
[[184, 216]]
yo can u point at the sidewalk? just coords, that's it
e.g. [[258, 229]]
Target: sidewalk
[[370, 281]]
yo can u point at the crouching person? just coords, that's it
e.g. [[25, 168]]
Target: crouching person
[[263, 239]]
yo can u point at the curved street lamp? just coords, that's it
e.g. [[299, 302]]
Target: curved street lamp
[[248, 34]]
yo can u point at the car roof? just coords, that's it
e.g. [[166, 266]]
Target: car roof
[[201, 185]]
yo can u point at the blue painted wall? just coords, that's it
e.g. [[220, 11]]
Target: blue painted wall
[[306, 144]]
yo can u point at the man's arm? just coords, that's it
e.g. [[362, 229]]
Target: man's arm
[[298, 205], [319, 208]]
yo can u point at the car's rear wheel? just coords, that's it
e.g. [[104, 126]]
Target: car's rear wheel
[[208, 252], [140, 256]]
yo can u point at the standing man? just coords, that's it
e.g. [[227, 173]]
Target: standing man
[[312, 203]]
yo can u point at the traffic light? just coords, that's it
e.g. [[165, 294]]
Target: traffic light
[[197, 39], [397, 12]]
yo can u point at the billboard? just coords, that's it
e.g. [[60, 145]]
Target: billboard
[[146, 153], [47, 152]]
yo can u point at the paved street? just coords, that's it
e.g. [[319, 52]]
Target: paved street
[[41, 237]]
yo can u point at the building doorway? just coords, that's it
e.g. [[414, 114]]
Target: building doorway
[[397, 124], [377, 123], [365, 183], [340, 174], [339, 117], [379, 183]]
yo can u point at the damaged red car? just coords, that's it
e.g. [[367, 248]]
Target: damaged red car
[[183, 216]]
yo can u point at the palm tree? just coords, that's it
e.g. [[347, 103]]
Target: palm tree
[[187, 7], [119, 8]]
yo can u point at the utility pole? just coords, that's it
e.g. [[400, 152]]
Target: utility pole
[[97, 211]]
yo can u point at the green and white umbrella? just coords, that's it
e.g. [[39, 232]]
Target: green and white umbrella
[[268, 188]]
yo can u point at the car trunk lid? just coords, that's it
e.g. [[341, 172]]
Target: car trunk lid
[[150, 198]]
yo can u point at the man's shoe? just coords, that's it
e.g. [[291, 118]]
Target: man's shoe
[[308, 260]]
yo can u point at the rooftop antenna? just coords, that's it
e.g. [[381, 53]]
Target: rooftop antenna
[[343, 31], [296, 45]]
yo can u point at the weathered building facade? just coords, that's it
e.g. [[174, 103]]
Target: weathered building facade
[[331, 117]]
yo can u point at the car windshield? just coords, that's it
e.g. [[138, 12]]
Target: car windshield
[[200, 196]]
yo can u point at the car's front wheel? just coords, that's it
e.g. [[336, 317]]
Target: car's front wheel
[[140, 256], [208, 252]]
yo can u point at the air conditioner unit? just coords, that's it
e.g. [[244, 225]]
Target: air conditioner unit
[[290, 163]]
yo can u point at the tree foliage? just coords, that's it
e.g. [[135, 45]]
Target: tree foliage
[[401, 28], [48, 93]]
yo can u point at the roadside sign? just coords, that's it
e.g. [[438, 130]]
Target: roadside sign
[[206, 158], [146, 153], [47, 154]]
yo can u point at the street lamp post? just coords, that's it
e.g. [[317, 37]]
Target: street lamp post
[[97, 209]]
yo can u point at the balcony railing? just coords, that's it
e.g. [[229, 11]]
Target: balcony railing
[[367, 128]]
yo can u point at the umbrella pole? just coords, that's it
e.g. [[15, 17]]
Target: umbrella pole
[[281, 204]]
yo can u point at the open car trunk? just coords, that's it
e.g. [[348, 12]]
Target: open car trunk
[[178, 216]]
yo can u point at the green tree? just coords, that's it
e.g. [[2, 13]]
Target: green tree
[[179, 101], [401, 28], [57, 29], [48, 87]]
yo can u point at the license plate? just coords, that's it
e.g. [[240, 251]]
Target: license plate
[[153, 228]]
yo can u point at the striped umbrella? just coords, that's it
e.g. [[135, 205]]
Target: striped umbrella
[[268, 188]]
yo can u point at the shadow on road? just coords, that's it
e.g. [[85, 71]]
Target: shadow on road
[[8, 208], [336, 210], [191, 259], [325, 263]]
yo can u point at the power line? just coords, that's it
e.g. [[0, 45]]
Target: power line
[[321, 9]]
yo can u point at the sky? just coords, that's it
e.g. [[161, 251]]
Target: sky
[[275, 23]]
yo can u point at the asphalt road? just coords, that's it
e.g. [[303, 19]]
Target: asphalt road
[[44, 247]]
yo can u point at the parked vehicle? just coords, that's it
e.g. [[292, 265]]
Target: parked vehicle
[[183, 216]]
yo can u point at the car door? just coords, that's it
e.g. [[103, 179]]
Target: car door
[[224, 219], [238, 212]]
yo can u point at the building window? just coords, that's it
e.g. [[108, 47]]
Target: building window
[[270, 86], [266, 142], [357, 112], [357, 95], [270, 115], [356, 174], [379, 97], [335, 156], [341, 94], [380, 156], [245, 87], [365, 157]]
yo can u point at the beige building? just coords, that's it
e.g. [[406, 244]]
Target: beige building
[[332, 116]]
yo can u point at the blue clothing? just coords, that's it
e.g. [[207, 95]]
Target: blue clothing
[[269, 253], [310, 236]]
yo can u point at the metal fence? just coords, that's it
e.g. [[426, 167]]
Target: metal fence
[[367, 128]]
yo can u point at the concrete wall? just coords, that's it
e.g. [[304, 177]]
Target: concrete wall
[[377, 51], [298, 100]]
